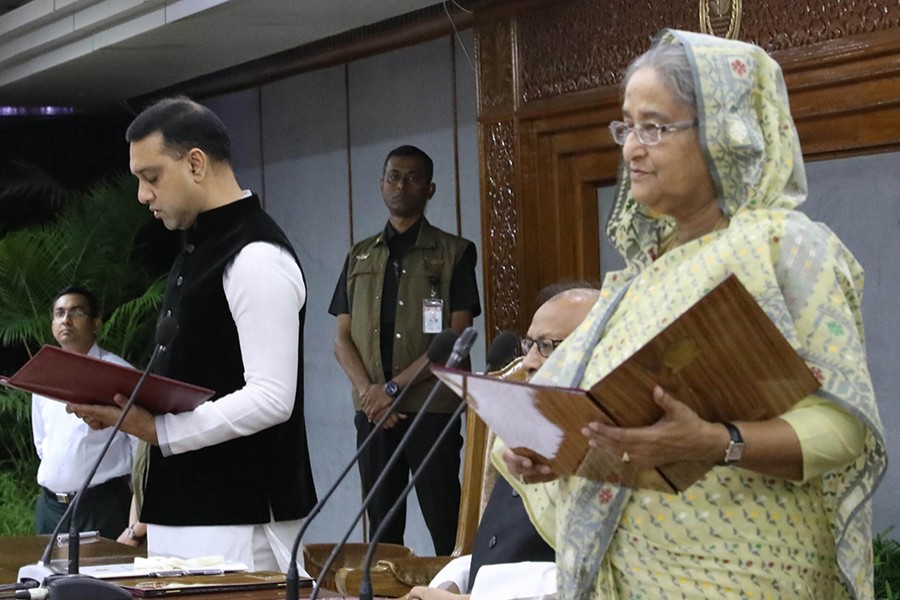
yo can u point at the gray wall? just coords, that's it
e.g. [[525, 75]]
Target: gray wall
[[314, 144], [859, 199]]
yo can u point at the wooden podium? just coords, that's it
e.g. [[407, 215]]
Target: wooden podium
[[23, 550]]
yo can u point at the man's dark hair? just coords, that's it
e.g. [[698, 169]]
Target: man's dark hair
[[555, 289], [184, 124], [408, 150], [93, 306]]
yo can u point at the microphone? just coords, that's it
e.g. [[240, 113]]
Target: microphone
[[460, 351], [440, 347], [502, 350], [462, 346], [68, 587]]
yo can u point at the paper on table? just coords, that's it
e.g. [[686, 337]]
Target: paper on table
[[144, 566]]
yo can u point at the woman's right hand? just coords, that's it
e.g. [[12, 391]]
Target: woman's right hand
[[526, 470]]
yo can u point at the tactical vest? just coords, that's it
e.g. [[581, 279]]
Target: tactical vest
[[427, 269]]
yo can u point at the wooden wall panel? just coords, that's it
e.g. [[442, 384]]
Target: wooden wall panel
[[549, 72]]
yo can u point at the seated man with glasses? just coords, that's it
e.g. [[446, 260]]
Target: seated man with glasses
[[505, 535], [67, 447]]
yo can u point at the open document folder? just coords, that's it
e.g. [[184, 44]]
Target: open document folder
[[238, 581], [723, 357], [71, 377], [159, 576]]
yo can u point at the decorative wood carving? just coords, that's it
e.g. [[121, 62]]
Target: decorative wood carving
[[777, 26], [721, 18], [583, 44], [500, 229], [579, 45], [495, 62]]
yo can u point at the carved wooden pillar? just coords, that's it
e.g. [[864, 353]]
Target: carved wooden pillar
[[497, 142]]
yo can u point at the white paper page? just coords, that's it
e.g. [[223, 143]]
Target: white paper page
[[514, 417], [142, 567]]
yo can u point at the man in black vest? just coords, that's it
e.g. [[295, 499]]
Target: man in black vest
[[231, 477], [505, 536]]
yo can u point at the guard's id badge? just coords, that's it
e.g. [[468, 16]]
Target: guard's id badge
[[432, 315]]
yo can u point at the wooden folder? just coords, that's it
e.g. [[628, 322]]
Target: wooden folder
[[723, 357], [238, 581], [71, 377]]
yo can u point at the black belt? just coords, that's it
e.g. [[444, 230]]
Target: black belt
[[66, 498]]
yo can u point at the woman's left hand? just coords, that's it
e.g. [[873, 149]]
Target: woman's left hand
[[679, 435]]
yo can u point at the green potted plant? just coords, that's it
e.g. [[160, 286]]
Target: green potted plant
[[886, 556], [98, 239]]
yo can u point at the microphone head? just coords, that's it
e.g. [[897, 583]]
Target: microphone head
[[462, 346], [502, 350], [441, 346], [166, 330]]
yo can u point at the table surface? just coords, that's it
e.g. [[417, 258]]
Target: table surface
[[24, 550]]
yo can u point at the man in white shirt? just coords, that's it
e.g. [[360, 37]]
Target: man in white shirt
[[231, 477], [67, 447], [509, 560]]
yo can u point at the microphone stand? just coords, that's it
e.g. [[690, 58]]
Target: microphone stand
[[460, 351], [503, 346], [365, 588], [89, 587], [437, 350]]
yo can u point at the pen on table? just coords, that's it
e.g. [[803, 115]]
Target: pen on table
[[185, 572], [83, 537]]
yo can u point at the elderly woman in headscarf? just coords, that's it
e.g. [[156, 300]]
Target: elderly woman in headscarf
[[712, 176]]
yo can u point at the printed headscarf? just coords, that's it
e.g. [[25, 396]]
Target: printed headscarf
[[747, 135]]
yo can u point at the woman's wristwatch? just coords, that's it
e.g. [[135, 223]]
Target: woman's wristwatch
[[735, 449]]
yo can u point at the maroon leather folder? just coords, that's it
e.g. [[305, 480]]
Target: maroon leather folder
[[71, 377]]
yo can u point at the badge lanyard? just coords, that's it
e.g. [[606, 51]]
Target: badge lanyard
[[433, 310]]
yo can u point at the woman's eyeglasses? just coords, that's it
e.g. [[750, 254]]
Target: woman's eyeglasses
[[545, 346], [648, 134]]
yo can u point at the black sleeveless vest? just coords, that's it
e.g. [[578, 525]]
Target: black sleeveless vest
[[235, 482], [505, 534]]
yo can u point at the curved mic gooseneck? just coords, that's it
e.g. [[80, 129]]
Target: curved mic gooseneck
[[166, 330], [441, 346], [460, 351], [502, 350]]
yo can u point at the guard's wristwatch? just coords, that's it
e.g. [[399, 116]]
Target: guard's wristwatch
[[391, 388], [735, 449]]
